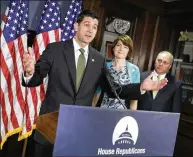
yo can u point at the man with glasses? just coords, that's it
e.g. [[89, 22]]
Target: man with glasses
[[167, 99]]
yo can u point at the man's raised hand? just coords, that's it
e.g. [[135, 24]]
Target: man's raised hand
[[149, 85]]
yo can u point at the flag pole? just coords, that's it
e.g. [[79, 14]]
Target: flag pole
[[24, 147]]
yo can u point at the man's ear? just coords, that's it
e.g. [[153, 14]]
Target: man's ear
[[170, 66], [76, 26]]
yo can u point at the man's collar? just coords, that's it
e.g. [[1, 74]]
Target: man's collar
[[77, 46], [161, 76]]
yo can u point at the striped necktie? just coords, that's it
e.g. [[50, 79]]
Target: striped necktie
[[80, 68]]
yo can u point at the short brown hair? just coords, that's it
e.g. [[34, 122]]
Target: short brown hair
[[87, 13], [126, 40]]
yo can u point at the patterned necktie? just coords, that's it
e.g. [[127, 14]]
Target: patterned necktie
[[156, 91], [80, 68]]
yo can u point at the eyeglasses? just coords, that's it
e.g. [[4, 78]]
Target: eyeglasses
[[162, 62]]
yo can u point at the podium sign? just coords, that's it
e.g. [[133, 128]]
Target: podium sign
[[88, 131]]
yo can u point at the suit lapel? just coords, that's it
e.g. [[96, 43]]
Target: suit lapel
[[149, 93], [168, 76], [70, 60]]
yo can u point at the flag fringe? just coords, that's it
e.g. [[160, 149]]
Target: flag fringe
[[15, 131], [11, 132], [27, 134]]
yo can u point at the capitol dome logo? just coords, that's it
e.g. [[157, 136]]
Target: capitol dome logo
[[126, 131]]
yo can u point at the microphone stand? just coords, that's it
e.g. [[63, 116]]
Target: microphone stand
[[113, 88]]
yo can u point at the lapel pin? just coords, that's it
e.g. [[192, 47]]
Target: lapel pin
[[92, 60]]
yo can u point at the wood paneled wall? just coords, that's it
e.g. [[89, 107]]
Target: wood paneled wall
[[152, 35], [94, 5], [150, 32], [143, 39]]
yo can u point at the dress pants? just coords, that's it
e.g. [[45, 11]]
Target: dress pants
[[43, 150]]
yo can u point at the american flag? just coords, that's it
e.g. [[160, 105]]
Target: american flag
[[13, 44], [49, 28], [67, 28], [47, 32]]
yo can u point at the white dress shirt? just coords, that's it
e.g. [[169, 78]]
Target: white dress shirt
[[161, 77], [77, 52], [155, 78]]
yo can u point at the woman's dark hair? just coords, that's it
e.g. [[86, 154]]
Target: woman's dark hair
[[127, 41], [87, 13]]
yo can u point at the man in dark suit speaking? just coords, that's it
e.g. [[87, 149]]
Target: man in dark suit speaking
[[75, 70], [167, 99]]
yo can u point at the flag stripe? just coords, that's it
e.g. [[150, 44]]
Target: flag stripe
[[13, 44], [34, 98], [19, 49], [21, 42], [5, 98], [9, 81], [4, 116], [7, 75], [57, 33], [13, 51], [36, 48], [34, 91], [46, 39], [48, 32]]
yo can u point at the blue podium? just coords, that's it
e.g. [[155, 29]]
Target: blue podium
[[89, 131]]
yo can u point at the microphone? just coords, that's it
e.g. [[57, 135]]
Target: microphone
[[114, 86]]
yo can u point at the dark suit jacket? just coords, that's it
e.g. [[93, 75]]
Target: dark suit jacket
[[58, 61], [168, 99]]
